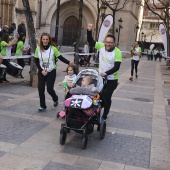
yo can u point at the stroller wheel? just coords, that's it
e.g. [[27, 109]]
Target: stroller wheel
[[57, 116], [102, 129], [84, 139], [84, 142], [63, 134]]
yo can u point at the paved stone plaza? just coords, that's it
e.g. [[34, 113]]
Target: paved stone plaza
[[138, 126]]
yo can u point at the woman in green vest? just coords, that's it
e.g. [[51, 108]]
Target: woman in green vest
[[20, 48], [5, 47]]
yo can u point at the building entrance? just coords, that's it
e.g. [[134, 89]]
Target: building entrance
[[70, 30]]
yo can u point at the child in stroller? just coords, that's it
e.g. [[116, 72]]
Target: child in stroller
[[83, 107]]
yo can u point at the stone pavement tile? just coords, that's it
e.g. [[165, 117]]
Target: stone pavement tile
[[5, 98], [142, 83], [157, 130], [125, 132], [111, 129], [132, 88], [132, 95], [128, 167], [6, 147], [142, 134], [160, 153], [63, 158], [18, 90], [36, 149], [159, 165], [16, 130], [2, 154], [59, 166], [105, 165], [30, 107], [160, 141], [159, 114], [116, 148], [88, 162], [27, 116], [129, 122], [132, 106], [15, 162], [167, 110], [157, 121], [51, 133]]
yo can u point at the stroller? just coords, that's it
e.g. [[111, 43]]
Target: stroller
[[84, 60], [83, 112]]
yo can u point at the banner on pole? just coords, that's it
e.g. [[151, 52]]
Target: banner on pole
[[162, 31], [105, 26]]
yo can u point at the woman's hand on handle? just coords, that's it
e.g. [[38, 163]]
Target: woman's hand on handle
[[72, 63]]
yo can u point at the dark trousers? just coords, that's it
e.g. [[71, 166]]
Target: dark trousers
[[49, 80], [106, 94], [134, 64], [6, 63], [21, 62]]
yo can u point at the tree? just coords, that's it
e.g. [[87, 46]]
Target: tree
[[161, 8], [78, 35], [31, 34], [114, 5]]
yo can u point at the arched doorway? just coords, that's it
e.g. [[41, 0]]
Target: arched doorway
[[70, 30]]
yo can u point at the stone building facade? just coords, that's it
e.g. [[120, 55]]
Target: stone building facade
[[44, 16]]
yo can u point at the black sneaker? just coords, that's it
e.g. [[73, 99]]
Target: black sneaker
[[131, 78], [55, 104], [136, 76], [41, 109], [5, 80]]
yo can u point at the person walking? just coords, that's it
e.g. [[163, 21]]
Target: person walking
[[135, 53], [19, 49], [110, 58], [45, 59], [5, 46], [13, 29]]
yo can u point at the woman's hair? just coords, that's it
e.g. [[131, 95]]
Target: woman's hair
[[5, 38], [50, 41], [20, 38], [74, 69]]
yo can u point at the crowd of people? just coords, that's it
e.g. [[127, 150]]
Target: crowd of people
[[12, 41], [47, 53]]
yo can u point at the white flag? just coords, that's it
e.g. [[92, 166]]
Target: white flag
[[106, 24], [162, 31]]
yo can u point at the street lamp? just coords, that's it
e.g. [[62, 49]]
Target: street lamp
[[57, 21], [142, 36], [137, 27], [118, 30], [103, 10], [142, 39]]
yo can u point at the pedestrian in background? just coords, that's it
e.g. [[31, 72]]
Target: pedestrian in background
[[20, 49], [5, 30], [22, 28], [136, 54], [5, 46], [45, 59]]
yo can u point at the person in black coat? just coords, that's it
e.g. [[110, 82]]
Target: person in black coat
[[5, 30], [22, 28]]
